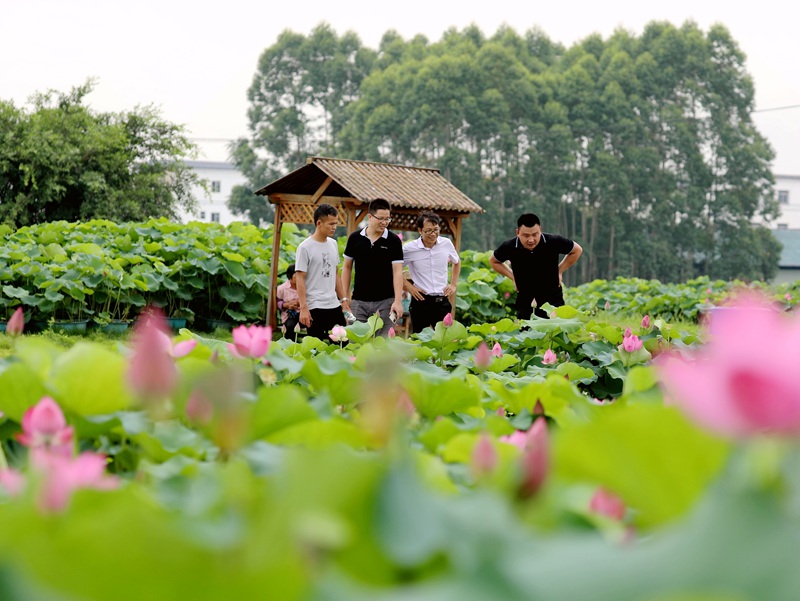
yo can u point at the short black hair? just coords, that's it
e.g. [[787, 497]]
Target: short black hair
[[528, 220], [324, 210], [378, 204], [428, 216], [290, 271]]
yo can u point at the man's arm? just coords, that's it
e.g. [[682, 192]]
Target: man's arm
[[343, 289], [569, 260], [305, 314], [397, 281], [503, 269]]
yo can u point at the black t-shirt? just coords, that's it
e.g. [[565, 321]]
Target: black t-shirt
[[535, 271], [373, 264]]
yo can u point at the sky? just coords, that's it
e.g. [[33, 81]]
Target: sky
[[195, 60]]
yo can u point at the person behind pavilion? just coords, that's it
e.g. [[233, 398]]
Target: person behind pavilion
[[317, 273], [535, 267], [289, 304], [377, 256], [427, 259]]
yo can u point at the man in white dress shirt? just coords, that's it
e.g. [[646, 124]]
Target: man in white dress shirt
[[427, 259]]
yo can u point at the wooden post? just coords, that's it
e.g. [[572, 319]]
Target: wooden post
[[456, 223], [272, 318]]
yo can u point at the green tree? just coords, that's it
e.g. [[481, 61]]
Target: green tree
[[61, 160]]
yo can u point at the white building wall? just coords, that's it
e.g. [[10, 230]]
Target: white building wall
[[787, 190], [221, 178]]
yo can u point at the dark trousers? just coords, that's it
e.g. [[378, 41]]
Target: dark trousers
[[291, 322], [323, 320], [525, 310], [428, 312]]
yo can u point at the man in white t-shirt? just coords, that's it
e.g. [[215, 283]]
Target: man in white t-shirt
[[427, 259], [317, 269]]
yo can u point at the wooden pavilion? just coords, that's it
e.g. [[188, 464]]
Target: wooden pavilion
[[351, 186]]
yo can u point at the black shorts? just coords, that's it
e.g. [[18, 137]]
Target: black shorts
[[323, 320], [523, 303]]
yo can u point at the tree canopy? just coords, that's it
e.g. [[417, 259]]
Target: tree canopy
[[641, 148], [62, 160]]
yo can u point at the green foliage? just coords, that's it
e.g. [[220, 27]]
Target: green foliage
[[63, 161], [107, 271], [640, 147], [308, 481]]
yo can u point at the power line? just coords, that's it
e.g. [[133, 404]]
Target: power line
[[778, 108]]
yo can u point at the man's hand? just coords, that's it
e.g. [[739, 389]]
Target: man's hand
[[560, 279], [414, 291], [397, 307], [449, 290], [291, 304], [346, 305], [305, 317]]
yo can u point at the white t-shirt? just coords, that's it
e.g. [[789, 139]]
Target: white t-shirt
[[428, 266], [319, 260]]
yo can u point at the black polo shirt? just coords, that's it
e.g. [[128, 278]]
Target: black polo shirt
[[373, 264], [535, 271]]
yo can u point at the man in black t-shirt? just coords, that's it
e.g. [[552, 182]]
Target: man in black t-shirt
[[535, 267], [377, 255]]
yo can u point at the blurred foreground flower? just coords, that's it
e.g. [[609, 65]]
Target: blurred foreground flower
[[483, 356], [535, 459], [646, 322], [743, 381], [16, 324], [44, 426], [484, 457], [151, 370], [250, 342], [608, 504]]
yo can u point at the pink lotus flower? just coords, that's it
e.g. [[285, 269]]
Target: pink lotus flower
[[483, 356], [549, 357], [448, 320], [708, 291], [538, 408], [646, 322], [338, 334], [507, 295], [534, 304], [64, 475], [501, 411], [787, 296], [484, 457], [607, 306], [536, 459], [627, 332], [12, 482], [151, 371], [44, 426], [631, 343], [497, 350], [391, 333], [733, 390], [608, 504], [16, 324], [250, 342]]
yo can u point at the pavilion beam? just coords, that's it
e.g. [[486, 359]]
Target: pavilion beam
[[306, 199], [321, 190]]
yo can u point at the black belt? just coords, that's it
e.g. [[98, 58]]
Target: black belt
[[435, 298]]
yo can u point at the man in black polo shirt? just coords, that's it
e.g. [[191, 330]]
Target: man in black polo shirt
[[535, 267], [378, 257]]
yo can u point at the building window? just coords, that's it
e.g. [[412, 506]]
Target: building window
[[215, 217], [783, 197], [216, 186], [783, 226], [202, 215]]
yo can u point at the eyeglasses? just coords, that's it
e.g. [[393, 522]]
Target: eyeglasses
[[435, 230], [381, 219]]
